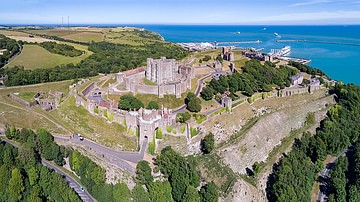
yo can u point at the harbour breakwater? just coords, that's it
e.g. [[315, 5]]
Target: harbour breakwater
[[321, 42]]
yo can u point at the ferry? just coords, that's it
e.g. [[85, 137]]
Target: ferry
[[285, 51], [277, 35], [281, 52]]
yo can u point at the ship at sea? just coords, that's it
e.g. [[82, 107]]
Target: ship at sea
[[277, 35], [281, 52]]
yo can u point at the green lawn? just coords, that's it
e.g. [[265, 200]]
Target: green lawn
[[28, 96], [35, 57]]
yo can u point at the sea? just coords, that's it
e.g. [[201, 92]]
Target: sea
[[338, 57]]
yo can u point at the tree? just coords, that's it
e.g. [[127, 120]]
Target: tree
[[153, 105], [143, 173], [191, 195], [160, 191], [16, 185], [129, 102], [183, 117], [209, 193], [192, 102], [208, 143], [140, 195], [207, 93], [121, 192]]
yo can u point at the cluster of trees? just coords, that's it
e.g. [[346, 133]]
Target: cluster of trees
[[183, 178], [119, 57], [307, 69], [254, 78], [294, 175], [344, 182], [24, 178], [61, 49], [130, 103], [192, 102], [11, 46], [42, 142]]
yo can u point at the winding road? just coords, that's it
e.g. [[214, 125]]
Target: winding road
[[119, 158], [325, 175], [83, 194]]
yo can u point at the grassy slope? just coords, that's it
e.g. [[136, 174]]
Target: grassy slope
[[34, 56], [13, 113], [80, 120]]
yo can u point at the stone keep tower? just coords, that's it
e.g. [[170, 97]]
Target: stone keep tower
[[161, 70]]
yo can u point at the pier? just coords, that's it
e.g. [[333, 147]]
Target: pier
[[237, 42], [322, 42]]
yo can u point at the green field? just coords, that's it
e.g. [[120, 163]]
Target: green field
[[35, 57]]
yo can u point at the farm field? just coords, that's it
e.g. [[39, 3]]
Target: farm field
[[36, 57]]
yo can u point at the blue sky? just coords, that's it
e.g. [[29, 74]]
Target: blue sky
[[180, 11]]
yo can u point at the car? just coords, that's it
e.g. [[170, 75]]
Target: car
[[81, 138], [82, 189]]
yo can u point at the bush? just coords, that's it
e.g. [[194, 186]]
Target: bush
[[159, 134], [182, 129], [151, 148], [183, 117], [153, 105], [169, 129], [208, 143]]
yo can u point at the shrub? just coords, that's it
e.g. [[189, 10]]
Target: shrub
[[159, 134], [169, 129], [182, 129]]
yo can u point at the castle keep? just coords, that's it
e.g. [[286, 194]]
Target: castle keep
[[161, 70], [168, 77]]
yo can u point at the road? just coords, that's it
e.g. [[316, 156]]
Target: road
[[325, 175], [83, 194], [121, 159]]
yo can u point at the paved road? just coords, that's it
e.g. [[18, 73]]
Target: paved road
[[325, 175], [121, 159], [84, 194]]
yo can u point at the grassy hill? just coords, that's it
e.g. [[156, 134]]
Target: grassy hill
[[34, 57]]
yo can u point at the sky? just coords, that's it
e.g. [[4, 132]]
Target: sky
[[243, 12]]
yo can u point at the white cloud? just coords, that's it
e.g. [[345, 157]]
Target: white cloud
[[309, 3], [311, 16]]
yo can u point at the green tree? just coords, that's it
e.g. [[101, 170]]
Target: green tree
[[208, 143], [140, 195], [160, 191], [192, 102], [183, 117], [33, 175], [121, 192], [191, 195], [209, 193], [143, 173], [129, 102], [153, 105], [207, 93], [16, 185]]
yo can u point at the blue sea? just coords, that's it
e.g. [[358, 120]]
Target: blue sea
[[339, 61]]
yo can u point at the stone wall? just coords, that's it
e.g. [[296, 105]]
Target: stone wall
[[22, 101]]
